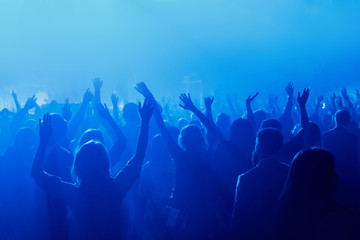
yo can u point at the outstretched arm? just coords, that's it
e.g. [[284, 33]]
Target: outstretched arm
[[97, 82], [210, 125], [208, 102], [250, 114], [45, 133], [18, 107], [286, 117], [128, 175], [348, 102], [318, 105], [105, 114], [50, 183], [115, 101], [174, 149], [75, 123], [66, 111], [302, 99], [20, 115]]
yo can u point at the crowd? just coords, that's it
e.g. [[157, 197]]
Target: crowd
[[157, 171]]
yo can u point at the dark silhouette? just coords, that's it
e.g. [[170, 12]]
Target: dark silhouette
[[207, 174], [95, 198], [258, 189], [307, 207], [344, 145]]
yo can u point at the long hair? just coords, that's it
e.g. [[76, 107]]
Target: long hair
[[91, 163]]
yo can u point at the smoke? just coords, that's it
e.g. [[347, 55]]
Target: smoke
[[57, 47]]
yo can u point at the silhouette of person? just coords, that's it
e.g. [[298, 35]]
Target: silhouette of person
[[344, 145], [258, 189], [307, 204], [95, 198]]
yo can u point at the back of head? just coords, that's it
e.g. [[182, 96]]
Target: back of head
[[191, 138], [260, 116], [223, 120], [159, 151], [25, 138], [313, 137], [130, 113], [342, 117], [59, 127], [91, 135], [312, 176], [242, 132], [268, 141], [271, 123], [91, 163], [182, 122]]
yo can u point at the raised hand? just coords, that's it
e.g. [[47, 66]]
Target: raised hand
[[302, 99], [30, 103], [339, 102], [344, 92], [290, 89], [13, 94], [357, 93], [186, 102], [88, 96], [45, 129], [97, 82], [65, 111], [143, 89], [146, 110], [320, 99], [208, 101], [114, 99], [333, 97], [103, 111], [250, 99]]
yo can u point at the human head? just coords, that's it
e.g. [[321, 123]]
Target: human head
[[131, 113], [25, 138], [241, 132], [191, 138], [259, 116], [91, 163], [342, 117], [271, 123], [182, 122], [58, 126], [91, 135], [311, 176], [268, 141], [313, 136], [159, 151]]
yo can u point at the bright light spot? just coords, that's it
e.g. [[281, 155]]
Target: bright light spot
[[42, 98]]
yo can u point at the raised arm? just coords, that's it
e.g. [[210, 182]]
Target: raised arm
[[45, 131], [286, 117], [208, 102], [66, 111], [302, 99], [172, 145], [250, 114], [20, 115], [348, 102], [97, 83], [210, 125], [115, 101], [18, 107], [105, 114], [52, 184], [75, 123], [318, 105], [127, 176]]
